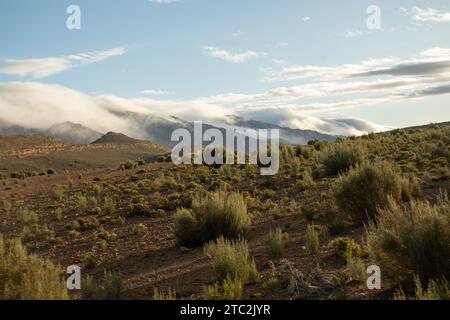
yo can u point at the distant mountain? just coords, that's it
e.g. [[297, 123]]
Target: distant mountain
[[287, 135], [113, 137], [159, 130], [67, 131], [73, 132], [9, 129]]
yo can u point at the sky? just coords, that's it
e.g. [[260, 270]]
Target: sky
[[302, 64]]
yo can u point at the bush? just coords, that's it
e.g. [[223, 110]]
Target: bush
[[138, 207], [161, 295], [140, 229], [97, 189], [230, 289], [306, 181], [276, 244], [27, 277], [58, 193], [28, 217], [356, 269], [7, 206], [412, 240], [219, 214], [231, 260], [308, 212], [58, 214], [83, 223], [129, 164], [109, 205], [436, 290], [111, 289], [339, 158], [367, 187], [312, 239], [82, 203], [347, 248], [335, 221]]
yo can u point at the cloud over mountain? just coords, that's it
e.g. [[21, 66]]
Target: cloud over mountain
[[37, 105]]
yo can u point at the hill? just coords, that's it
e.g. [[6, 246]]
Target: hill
[[113, 137], [73, 132], [308, 233], [38, 153]]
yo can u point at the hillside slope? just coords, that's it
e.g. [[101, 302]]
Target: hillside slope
[[122, 220], [38, 153]]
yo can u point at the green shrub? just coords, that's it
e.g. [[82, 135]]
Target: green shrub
[[356, 269], [138, 207], [7, 206], [230, 289], [306, 180], [106, 235], [219, 214], [318, 144], [308, 212], [436, 290], [82, 203], [83, 223], [339, 158], [92, 202], [25, 276], [231, 259], [161, 295], [89, 260], [365, 188], [28, 217], [140, 229], [346, 248], [58, 193], [97, 189], [185, 228], [58, 214], [109, 205], [312, 239], [412, 240], [110, 289], [129, 164], [275, 243], [335, 221]]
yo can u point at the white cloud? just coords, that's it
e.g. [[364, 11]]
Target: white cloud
[[350, 34], [433, 61], [327, 73], [40, 105], [44, 67], [371, 82], [430, 14], [306, 18], [154, 92], [240, 57]]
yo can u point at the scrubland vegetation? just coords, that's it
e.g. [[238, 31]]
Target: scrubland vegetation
[[160, 231]]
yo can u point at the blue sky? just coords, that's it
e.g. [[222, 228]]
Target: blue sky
[[191, 51]]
